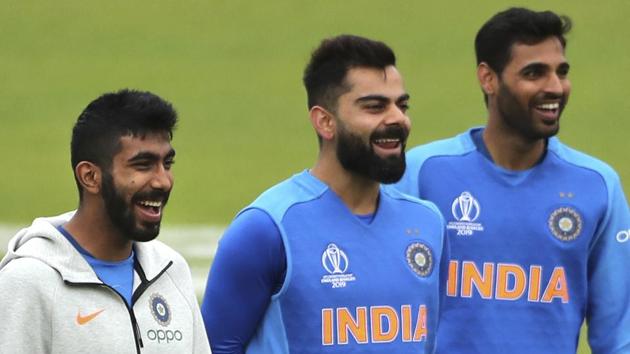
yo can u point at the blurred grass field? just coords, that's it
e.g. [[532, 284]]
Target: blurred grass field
[[233, 70]]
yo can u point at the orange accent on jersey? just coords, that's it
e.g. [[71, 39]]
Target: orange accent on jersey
[[406, 322], [451, 286], [534, 283], [510, 282], [81, 320], [421, 325], [383, 325], [504, 273], [471, 276], [557, 287], [378, 314], [346, 323], [327, 327]]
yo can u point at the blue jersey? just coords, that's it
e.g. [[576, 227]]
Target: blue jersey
[[351, 286], [533, 253]]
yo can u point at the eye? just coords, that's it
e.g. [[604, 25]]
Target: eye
[[532, 73], [563, 72], [403, 106], [374, 107], [168, 163]]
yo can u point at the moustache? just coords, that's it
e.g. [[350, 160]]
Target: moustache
[[151, 195], [391, 132]]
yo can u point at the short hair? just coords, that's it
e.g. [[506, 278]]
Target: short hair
[[493, 43], [97, 132], [324, 76]]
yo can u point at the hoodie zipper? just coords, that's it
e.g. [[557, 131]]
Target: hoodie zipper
[[144, 285]]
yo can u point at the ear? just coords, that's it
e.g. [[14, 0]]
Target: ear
[[323, 122], [488, 79], [89, 176]]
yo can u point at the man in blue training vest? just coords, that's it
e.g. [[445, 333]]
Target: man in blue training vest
[[538, 231], [330, 260], [94, 280]]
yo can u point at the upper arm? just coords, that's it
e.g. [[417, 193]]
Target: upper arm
[[27, 317], [608, 312], [247, 270]]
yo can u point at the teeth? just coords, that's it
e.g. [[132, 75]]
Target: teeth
[[549, 106], [150, 203], [385, 141]]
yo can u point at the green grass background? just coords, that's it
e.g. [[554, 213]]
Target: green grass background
[[233, 70]]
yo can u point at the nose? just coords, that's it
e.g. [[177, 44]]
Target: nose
[[397, 115], [162, 179], [555, 84]]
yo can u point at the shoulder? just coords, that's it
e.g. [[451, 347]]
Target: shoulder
[[29, 275], [299, 188], [584, 161], [456, 145], [412, 202]]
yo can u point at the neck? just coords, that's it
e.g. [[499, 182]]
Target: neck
[[358, 193], [511, 150], [93, 230]]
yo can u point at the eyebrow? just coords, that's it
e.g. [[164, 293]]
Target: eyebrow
[[381, 98], [146, 155], [541, 66]]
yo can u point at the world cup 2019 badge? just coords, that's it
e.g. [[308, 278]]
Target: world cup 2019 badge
[[335, 262], [565, 223], [466, 210], [420, 259], [160, 310]]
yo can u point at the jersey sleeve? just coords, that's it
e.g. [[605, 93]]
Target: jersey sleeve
[[247, 270], [608, 311]]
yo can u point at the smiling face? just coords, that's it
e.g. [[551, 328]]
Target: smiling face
[[372, 124], [137, 188], [533, 89]]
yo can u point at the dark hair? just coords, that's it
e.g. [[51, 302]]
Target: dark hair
[[97, 132], [324, 76], [493, 43]]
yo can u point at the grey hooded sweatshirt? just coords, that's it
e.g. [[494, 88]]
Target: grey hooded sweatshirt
[[53, 302]]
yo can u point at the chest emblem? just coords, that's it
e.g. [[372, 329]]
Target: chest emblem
[[466, 210], [420, 259], [335, 262], [565, 223], [160, 310]]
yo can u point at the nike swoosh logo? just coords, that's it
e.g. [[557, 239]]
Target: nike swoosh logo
[[81, 320]]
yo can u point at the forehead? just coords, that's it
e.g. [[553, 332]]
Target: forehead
[[549, 52], [155, 143], [370, 81]]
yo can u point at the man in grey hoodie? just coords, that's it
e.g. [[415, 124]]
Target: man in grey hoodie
[[94, 280]]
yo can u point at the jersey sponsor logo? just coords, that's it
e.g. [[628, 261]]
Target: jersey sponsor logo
[[565, 223], [420, 259], [623, 236], [81, 320], [335, 262], [159, 309], [506, 281], [466, 210], [376, 324]]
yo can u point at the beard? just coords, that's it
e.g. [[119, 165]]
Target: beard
[[121, 214], [359, 157], [521, 118]]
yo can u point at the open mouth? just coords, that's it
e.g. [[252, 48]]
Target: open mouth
[[387, 146], [150, 210], [549, 111]]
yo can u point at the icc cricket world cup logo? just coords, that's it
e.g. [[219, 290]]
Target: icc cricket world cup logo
[[334, 260], [465, 208]]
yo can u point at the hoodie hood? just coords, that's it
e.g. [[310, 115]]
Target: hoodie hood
[[42, 241]]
